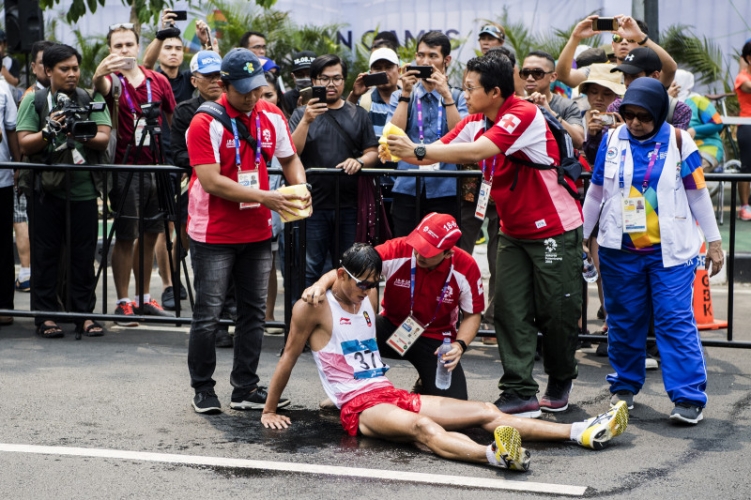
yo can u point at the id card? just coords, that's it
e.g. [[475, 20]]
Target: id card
[[139, 125], [78, 158], [248, 179], [482, 200], [634, 215], [406, 335], [432, 166]]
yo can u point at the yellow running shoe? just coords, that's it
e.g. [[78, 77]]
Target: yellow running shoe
[[508, 449], [603, 428]]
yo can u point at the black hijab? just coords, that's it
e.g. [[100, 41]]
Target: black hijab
[[648, 93]]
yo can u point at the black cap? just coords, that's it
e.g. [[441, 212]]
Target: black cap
[[591, 56], [638, 60], [302, 60]]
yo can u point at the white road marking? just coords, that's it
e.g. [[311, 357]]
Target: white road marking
[[329, 470]]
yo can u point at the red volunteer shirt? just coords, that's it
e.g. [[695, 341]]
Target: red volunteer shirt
[[464, 289], [538, 207], [212, 219], [160, 91]]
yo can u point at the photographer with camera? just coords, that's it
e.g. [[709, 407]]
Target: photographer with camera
[[63, 124], [145, 94]]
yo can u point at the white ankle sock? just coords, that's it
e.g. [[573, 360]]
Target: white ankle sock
[[490, 455], [577, 429], [146, 299], [124, 300], [24, 274]]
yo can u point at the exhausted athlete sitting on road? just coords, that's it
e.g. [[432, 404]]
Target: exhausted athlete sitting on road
[[341, 335]]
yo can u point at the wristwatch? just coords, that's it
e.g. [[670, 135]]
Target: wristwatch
[[462, 344], [646, 37], [420, 152], [362, 163], [403, 99]]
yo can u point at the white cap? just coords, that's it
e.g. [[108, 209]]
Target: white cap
[[385, 54]]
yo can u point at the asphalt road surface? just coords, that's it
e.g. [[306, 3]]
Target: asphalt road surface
[[110, 417]]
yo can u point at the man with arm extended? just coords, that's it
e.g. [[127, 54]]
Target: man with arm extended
[[538, 268], [341, 335]]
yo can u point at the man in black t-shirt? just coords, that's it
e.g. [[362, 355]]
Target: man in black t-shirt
[[332, 134]]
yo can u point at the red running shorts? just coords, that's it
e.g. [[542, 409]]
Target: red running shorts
[[350, 413]]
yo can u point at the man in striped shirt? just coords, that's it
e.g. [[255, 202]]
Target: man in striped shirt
[[538, 283]]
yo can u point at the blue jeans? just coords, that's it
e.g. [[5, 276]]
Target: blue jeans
[[637, 287], [320, 236], [213, 265]]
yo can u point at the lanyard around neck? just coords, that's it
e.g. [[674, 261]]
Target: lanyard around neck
[[645, 183], [127, 94], [420, 122], [237, 143], [412, 275]]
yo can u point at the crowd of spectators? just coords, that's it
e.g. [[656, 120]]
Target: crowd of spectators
[[229, 117]]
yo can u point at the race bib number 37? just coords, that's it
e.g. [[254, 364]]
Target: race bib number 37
[[364, 358]]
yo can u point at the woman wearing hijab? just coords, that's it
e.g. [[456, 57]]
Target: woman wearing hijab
[[648, 193]]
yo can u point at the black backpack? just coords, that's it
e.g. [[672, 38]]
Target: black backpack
[[569, 164]]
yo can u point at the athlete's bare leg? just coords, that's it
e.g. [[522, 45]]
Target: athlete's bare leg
[[455, 414], [394, 424]]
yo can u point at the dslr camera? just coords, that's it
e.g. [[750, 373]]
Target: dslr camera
[[151, 112], [76, 120]]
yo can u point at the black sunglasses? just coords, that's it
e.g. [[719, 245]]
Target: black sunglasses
[[643, 117], [536, 73], [361, 284]]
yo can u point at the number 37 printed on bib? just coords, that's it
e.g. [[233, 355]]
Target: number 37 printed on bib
[[364, 358]]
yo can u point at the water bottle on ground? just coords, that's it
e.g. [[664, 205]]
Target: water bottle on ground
[[589, 271], [442, 375]]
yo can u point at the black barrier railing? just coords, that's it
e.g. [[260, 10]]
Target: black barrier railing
[[295, 244]]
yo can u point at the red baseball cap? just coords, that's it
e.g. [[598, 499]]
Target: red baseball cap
[[434, 234]]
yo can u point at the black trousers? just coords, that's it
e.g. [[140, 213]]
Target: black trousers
[[423, 358], [403, 210], [47, 219], [7, 265]]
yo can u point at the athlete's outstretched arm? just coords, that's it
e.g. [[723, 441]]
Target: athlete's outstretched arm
[[305, 319]]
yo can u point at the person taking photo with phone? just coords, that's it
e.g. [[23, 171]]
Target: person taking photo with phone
[[376, 100], [332, 134], [426, 108]]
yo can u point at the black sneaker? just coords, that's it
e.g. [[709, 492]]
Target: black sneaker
[[224, 339], [168, 299], [255, 400], [152, 308], [183, 292], [207, 402], [583, 344], [556, 395], [687, 413], [601, 313], [519, 406]]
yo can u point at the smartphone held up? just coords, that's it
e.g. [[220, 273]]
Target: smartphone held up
[[605, 24]]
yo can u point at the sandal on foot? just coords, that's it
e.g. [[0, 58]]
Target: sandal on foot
[[93, 330], [50, 331]]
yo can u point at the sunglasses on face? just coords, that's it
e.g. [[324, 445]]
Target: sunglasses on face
[[118, 26], [618, 39], [536, 73], [361, 284], [642, 117]]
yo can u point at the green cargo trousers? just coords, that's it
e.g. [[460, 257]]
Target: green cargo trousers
[[538, 288]]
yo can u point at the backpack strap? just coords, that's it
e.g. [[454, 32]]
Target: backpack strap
[[218, 112], [40, 100], [671, 110]]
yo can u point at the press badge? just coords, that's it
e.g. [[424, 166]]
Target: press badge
[[78, 158], [139, 125], [248, 179], [482, 200], [406, 335], [432, 166], [634, 215]]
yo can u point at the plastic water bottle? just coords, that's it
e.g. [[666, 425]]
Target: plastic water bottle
[[589, 271], [442, 375]]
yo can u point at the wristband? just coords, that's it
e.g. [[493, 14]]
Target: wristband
[[448, 104], [463, 344], [403, 99], [646, 37]]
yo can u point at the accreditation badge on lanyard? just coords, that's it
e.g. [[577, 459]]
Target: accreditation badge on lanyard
[[483, 197], [248, 178], [634, 208], [421, 131], [138, 124], [411, 328]]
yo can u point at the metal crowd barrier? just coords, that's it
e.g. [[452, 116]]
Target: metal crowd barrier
[[294, 240]]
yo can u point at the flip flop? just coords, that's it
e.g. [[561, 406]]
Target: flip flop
[[93, 330], [50, 331]]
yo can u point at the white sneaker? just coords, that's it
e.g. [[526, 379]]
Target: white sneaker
[[605, 427], [651, 363]]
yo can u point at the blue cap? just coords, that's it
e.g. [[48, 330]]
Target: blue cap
[[243, 70], [205, 62], [267, 63]]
